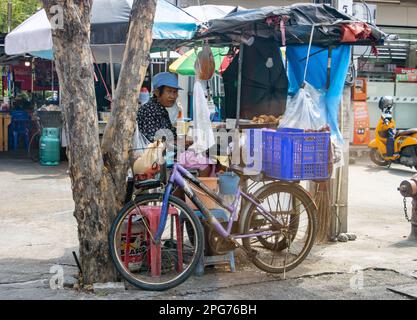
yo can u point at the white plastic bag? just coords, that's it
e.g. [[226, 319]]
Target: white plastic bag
[[139, 143], [203, 136], [305, 110], [150, 160]]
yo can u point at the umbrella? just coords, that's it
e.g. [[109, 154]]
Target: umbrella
[[184, 65], [109, 25]]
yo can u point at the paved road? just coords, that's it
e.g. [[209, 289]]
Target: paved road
[[38, 231]]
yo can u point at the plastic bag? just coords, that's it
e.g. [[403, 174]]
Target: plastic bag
[[204, 64], [139, 143], [150, 160], [203, 136], [191, 160], [305, 110]]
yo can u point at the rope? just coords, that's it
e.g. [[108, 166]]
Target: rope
[[308, 53], [102, 78]]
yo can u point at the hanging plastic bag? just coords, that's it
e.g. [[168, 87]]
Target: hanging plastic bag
[[203, 136], [305, 110], [204, 65]]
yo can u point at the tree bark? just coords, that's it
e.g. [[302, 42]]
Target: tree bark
[[97, 184]]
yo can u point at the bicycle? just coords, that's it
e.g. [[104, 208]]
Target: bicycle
[[33, 148], [153, 252]]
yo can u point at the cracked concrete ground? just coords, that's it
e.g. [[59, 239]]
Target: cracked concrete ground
[[38, 231]]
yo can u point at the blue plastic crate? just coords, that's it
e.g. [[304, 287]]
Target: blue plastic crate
[[292, 154]]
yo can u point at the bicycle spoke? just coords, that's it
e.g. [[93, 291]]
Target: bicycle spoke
[[292, 219]]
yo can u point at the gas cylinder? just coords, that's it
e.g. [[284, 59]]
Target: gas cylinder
[[49, 147]]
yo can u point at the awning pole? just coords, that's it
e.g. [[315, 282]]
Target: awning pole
[[239, 85], [52, 77], [111, 73]]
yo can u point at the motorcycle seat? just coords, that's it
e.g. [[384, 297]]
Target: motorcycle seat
[[408, 132]]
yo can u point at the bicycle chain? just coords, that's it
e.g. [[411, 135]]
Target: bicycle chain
[[406, 210]]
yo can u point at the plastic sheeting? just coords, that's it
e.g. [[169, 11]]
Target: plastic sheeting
[[298, 21], [317, 76]]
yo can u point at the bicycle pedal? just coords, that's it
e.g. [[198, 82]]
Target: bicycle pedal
[[251, 254]]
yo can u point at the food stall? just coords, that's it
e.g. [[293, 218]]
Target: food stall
[[273, 52]]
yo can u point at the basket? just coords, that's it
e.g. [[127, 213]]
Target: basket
[[50, 119], [292, 154], [228, 183]]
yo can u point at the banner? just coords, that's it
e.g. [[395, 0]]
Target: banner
[[361, 131]]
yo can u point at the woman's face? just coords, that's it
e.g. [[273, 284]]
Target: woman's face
[[168, 97]]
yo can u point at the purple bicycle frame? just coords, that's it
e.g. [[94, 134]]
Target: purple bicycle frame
[[179, 176]]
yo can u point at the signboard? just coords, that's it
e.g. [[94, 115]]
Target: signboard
[[405, 70], [361, 131], [406, 74], [345, 6]]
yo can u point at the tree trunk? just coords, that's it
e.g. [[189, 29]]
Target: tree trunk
[[119, 132], [97, 184]]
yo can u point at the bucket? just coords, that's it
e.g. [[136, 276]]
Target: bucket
[[228, 183], [212, 184]]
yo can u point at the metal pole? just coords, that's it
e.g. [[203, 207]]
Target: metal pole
[[9, 16], [239, 85], [113, 87], [52, 76], [408, 188]]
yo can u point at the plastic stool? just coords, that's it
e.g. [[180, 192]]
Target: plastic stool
[[219, 259], [152, 214]]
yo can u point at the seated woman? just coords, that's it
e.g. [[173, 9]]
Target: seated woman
[[154, 115]]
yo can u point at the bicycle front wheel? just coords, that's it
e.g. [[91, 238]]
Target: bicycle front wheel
[[149, 265], [282, 244]]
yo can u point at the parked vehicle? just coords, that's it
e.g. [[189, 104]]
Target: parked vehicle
[[391, 145]]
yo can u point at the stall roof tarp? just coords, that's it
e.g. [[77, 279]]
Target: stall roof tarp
[[208, 12], [109, 25], [299, 19]]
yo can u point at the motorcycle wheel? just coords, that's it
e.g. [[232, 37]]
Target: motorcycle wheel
[[377, 158]]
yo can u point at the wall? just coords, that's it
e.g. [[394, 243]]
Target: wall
[[403, 14]]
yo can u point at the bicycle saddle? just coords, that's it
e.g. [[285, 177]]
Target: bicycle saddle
[[408, 132], [148, 184]]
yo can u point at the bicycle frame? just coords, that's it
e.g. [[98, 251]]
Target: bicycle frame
[[180, 176]]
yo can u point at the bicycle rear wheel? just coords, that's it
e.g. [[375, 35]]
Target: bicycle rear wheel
[[288, 240], [34, 147], [143, 263]]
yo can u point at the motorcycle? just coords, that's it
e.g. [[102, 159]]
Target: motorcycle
[[391, 145]]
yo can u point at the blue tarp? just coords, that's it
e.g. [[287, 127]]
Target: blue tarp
[[317, 76]]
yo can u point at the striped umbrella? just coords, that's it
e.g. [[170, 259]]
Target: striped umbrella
[[184, 65]]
